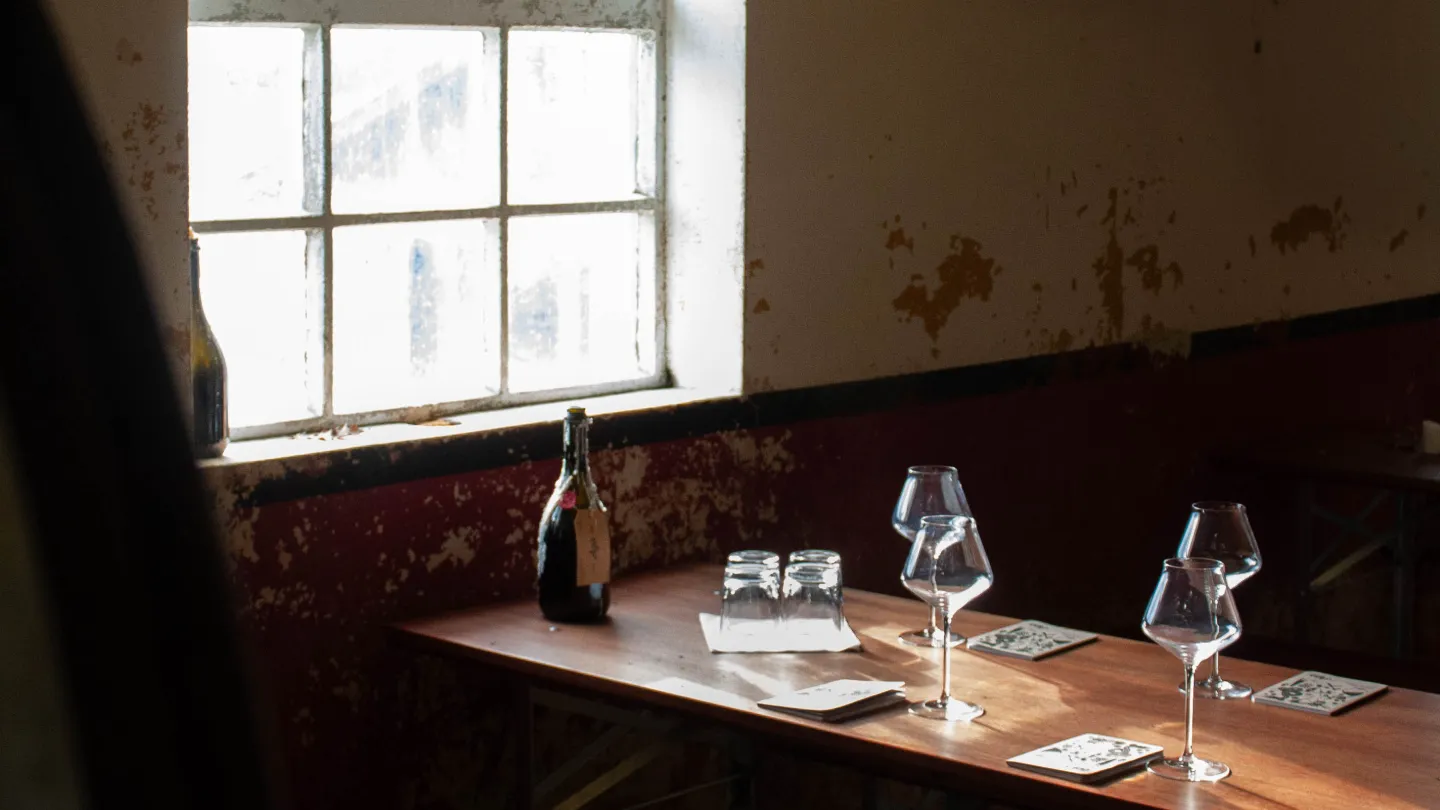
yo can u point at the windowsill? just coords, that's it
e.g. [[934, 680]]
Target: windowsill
[[299, 465]]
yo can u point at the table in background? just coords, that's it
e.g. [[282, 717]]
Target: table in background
[[1401, 476], [1385, 753]]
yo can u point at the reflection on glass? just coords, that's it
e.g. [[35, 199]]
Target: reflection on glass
[[1220, 530], [415, 121], [416, 318], [266, 316], [577, 117], [1191, 614], [245, 122], [581, 299], [812, 603], [929, 489], [948, 568], [750, 605]]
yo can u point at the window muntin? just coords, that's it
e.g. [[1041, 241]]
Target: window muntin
[[426, 286]]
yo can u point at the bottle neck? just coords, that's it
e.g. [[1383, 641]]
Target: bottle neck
[[195, 279], [577, 448]]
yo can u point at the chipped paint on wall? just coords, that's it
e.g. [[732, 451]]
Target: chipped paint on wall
[[129, 61], [1223, 146], [316, 579], [1312, 220], [964, 273]]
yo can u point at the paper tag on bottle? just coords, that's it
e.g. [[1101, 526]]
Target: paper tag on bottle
[[592, 547]]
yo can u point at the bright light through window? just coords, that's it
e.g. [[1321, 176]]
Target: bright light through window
[[392, 250]]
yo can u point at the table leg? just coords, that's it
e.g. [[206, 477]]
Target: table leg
[[1404, 573], [742, 767], [1305, 523], [523, 735]]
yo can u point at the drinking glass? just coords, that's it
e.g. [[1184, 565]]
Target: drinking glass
[[1192, 615], [1219, 530], [811, 603], [819, 556], [750, 604], [947, 567], [928, 490], [769, 559]]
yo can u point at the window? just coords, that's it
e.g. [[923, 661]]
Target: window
[[403, 214]]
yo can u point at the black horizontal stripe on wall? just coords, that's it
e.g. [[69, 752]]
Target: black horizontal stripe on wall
[[362, 467]]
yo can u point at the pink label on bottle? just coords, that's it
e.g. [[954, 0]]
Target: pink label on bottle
[[567, 500]]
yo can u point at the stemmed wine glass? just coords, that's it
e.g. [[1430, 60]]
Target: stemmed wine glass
[[1219, 530], [1192, 615], [928, 490], [947, 567]]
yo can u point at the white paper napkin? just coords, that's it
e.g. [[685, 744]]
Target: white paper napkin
[[793, 641]]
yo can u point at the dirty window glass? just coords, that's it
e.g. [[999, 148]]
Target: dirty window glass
[[402, 221]]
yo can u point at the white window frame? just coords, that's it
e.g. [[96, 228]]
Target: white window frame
[[644, 17]]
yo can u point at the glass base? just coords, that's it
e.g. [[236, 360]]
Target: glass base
[[1194, 770], [1220, 690], [929, 637], [951, 710]]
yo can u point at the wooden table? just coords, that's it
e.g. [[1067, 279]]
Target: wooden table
[[1384, 753]]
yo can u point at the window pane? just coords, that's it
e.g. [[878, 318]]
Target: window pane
[[266, 316], [581, 299], [575, 115], [415, 120], [416, 314], [246, 113]]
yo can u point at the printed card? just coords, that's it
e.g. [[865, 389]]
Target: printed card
[[1317, 692], [1030, 640], [832, 696], [1087, 758]]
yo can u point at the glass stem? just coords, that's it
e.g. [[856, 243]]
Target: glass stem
[[935, 622], [1189, 715], [1214, 670], [945, 667]]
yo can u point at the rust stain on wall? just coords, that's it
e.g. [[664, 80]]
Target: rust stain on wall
[[762, 306], [125, 53], [1252, 245], [753, 268], [1312, 220], [964, 274], [1109, 269], [1152, 275], [1398, 240], [142, 147], [897, 239]]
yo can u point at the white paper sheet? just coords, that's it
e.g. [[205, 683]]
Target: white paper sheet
[[793, 641]]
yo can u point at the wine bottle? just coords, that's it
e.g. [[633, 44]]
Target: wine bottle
[[211, 428], [572, 560]]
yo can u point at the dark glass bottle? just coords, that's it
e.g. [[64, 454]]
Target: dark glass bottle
[[573, 558], [211, 429]]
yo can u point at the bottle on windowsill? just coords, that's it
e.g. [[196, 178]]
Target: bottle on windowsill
[[573, 556], [210, 432]]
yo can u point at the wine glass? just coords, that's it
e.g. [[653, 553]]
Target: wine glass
[[947, 567], [1192, 615], [1219, 530], [928, 490]]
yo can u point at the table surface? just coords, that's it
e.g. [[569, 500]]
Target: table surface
[[1383, 753], [1368, 459]]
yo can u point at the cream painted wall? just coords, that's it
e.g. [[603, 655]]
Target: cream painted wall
[[882, 135], [129, 58]]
